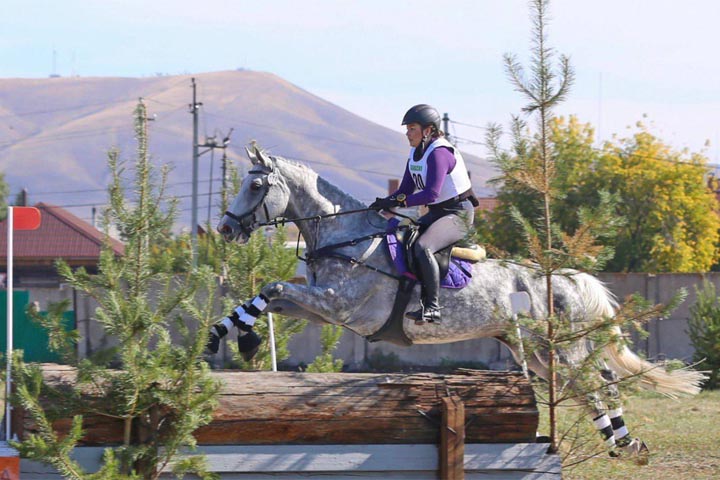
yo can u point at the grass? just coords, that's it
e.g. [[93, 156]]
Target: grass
[[683, 436]]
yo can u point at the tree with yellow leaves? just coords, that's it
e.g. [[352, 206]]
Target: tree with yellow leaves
[[671, 214], [666, 214]]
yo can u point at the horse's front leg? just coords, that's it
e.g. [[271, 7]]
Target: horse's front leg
[[308, 302], [311, 302]]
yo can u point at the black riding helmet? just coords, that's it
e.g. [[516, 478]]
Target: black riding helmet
[[423, 114]]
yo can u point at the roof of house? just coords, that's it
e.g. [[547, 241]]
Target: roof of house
[[60, 235], [488, 203]]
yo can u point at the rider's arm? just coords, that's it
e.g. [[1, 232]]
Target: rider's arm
[[407, 186], [440, 163]]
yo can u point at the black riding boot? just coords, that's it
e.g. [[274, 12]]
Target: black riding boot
[[430, 272]]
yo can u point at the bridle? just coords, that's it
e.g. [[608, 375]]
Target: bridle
[[270, 179]]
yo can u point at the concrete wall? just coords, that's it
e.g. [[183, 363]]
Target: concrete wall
[[668, 337]]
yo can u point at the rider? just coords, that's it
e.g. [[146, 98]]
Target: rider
[[435, 176]]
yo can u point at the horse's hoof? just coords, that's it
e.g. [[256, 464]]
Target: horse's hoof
[[247, 356], [248, 345], [636, 450]]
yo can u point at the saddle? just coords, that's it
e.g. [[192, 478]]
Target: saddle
[[454, 262], [455, 271]]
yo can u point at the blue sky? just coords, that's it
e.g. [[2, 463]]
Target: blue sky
[[376, 58]]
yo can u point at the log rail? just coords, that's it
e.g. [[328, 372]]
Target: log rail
[[266, 408]]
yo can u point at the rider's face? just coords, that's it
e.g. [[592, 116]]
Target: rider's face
[[415, 133]]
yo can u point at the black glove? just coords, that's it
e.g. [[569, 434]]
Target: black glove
[[384, 203]]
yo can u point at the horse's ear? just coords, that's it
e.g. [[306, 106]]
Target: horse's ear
[[262, 159], [251, 155]]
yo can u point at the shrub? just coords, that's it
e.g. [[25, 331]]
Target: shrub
[[704, 332]]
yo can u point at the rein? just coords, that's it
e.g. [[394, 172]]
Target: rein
[[282, 221], [325, 251]]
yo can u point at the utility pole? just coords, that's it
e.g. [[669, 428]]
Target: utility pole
[[194, 106], [211, 144], [446, 123]]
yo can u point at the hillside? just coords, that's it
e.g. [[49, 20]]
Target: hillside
[[55, 134]]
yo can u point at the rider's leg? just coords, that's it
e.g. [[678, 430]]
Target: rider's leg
[[442, 233], [430, 273]]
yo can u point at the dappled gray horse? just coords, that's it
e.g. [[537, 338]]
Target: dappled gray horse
[[340, 289]]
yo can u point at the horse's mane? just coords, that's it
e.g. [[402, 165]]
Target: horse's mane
[[325, 187]]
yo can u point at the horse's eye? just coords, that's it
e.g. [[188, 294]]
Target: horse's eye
[[256, 185]]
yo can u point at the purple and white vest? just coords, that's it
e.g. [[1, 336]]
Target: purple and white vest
[[456, 182]]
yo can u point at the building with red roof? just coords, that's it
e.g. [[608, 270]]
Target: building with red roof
[[61, 235]]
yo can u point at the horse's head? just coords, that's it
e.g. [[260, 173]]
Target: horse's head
[[262, 198]]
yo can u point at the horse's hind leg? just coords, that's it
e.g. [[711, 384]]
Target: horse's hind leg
[[608, 418]]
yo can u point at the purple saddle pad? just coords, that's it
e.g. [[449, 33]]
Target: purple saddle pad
[[458, 275]]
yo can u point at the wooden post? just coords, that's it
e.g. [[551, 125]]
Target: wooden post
[[452, 439]]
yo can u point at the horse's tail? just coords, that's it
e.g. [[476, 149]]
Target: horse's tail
[[683, 381], [600, 302]]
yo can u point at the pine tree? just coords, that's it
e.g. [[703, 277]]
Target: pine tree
[[154, 382], [704, 332], [532, 168], [4, 191], [247, 269], [325, 362]]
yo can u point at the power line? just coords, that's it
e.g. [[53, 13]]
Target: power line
[[305, 134], [62, 109], [467, 124], [597, 149]]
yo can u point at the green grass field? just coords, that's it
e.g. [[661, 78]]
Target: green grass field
[[683, 436]]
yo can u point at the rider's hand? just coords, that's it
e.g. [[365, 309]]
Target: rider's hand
[[385, 203]]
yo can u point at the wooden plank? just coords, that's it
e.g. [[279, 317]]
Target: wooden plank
[[501, 461]]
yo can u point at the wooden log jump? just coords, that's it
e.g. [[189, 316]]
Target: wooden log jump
[[266, 408]]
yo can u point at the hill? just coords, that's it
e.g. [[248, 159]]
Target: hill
[[55, 134]]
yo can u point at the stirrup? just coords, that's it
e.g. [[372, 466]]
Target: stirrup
[[423, 316]]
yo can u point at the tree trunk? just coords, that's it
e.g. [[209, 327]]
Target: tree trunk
[[347, 408]]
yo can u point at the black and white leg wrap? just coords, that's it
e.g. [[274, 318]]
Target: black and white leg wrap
[[604, 426], [245, 315], [620, 431], [243, 318]]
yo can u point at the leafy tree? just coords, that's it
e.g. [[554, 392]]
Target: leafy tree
[[704, 332], [664, 212], [155, 383], [671, 214]]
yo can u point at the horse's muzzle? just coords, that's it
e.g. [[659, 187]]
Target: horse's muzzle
[[231, 231]]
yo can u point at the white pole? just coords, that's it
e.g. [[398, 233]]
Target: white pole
[[520, 303], [271, 332], [9, 316]]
